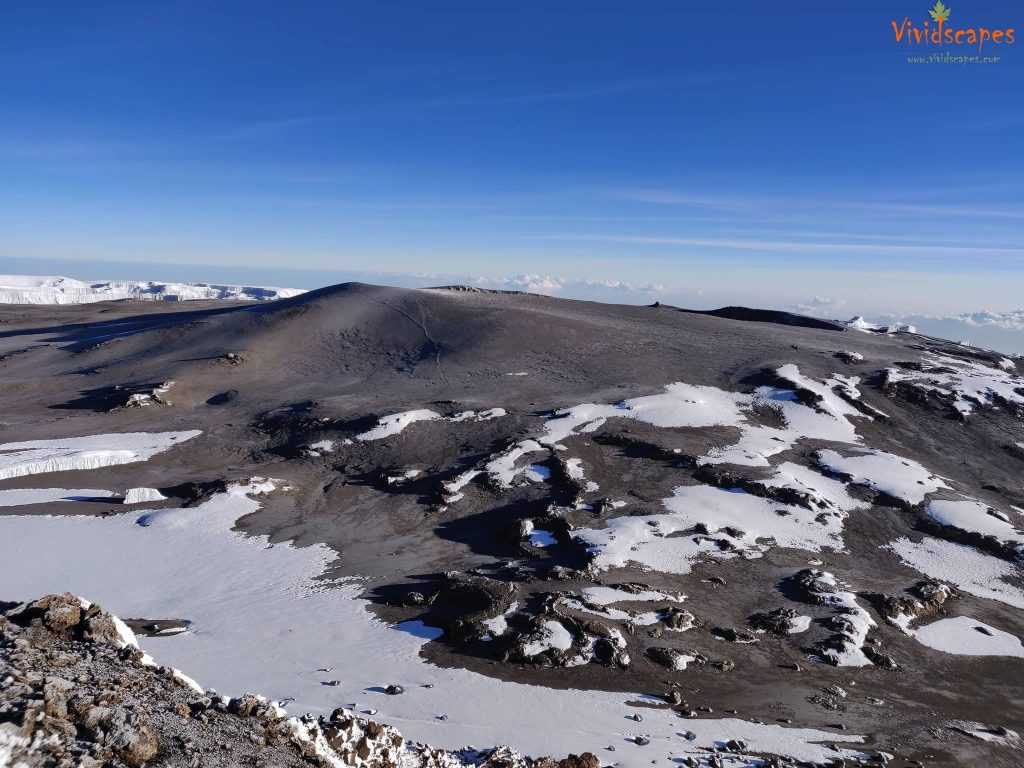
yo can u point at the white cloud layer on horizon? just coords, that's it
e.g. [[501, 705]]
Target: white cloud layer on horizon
[[1001, 331], [551, 286], [1013, 321], [821, 306]]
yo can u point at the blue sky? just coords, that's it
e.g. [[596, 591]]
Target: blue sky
[[712, 152]]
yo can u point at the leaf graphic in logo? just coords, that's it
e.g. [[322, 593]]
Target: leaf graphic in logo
[[939, 12]]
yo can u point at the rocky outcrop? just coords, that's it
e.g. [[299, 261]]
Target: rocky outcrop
[[555, 639], [469, 600], [732, 635], [670, 658], [781, 621], [851, 645], [919, 602], [678, 619], [850, 358]]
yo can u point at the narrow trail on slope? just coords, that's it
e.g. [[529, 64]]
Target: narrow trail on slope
[[422, 325]]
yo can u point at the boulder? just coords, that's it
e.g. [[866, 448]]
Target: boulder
[[55, 696], [135, 741]]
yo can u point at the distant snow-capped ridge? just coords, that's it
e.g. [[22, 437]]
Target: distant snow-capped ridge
[[860, 324], [31, 289]]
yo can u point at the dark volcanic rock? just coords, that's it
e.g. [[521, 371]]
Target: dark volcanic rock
[[778, 622]]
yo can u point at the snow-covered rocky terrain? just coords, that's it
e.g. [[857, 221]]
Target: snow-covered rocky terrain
[[31, 289], [156, 715], [650, 535]]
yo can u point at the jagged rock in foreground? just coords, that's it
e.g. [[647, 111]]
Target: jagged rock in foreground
[[75, 690]]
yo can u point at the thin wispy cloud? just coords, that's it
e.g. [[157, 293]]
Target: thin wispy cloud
[[262, 128], [355, 111], [1009, 321], [795, 246], [696, 199], [760, 204], [1015, 213], [597, 90]]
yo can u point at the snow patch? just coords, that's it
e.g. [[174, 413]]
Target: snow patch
[[395, 423], [403, 477], [452, 490], [965, 636], [574, 468], [498, 625], [828, 420], [971, 515], [537, 473], [553, 635], [705, 521], [612, 595], [542, 538], [799, 624], [886, 472], [21, 496], [502, 469], [681, 405], [320, 448], [972, 571]]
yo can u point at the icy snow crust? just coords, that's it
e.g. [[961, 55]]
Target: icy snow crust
[[77, 453], [17, 497], [968, 637], [29, 289], [245, 600], [899, 477]]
